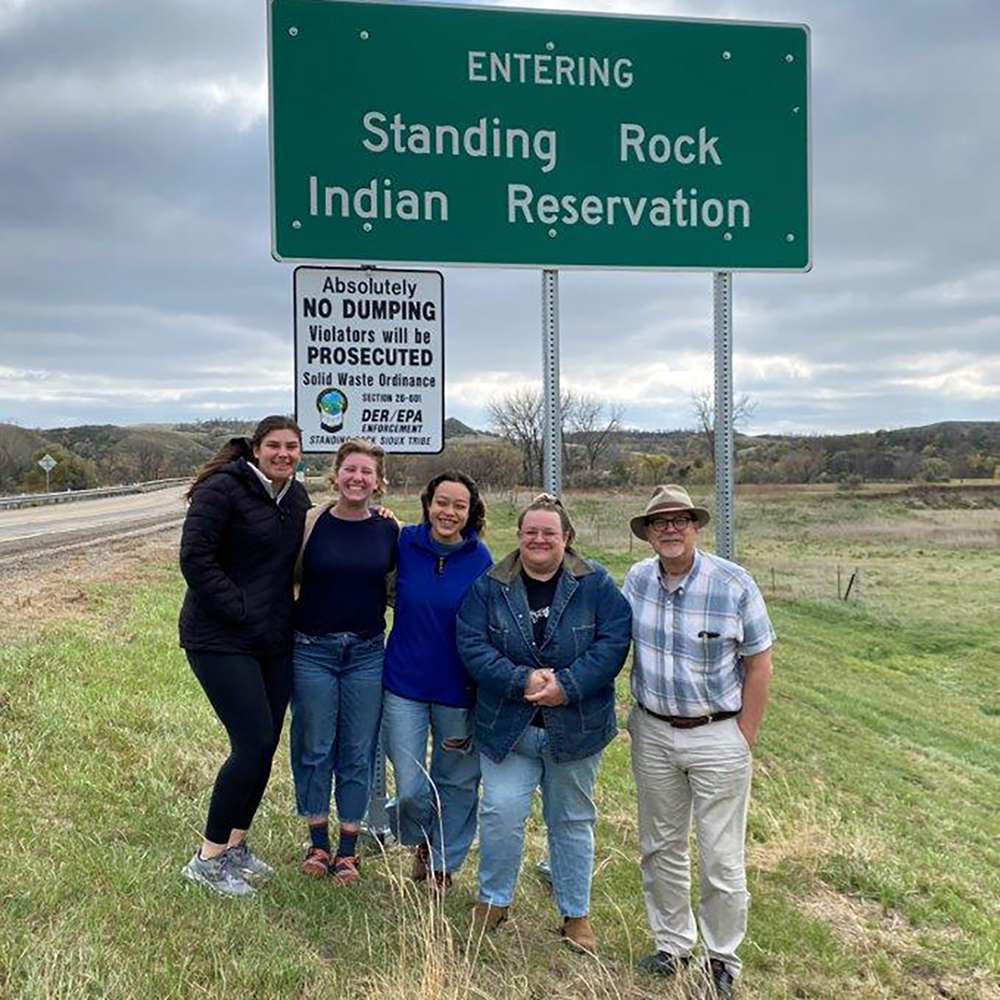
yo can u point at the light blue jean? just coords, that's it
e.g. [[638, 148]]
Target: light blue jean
[[568, 808], [435, 806], [336, 711]]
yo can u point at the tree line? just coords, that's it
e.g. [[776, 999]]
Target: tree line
[[599, 450]]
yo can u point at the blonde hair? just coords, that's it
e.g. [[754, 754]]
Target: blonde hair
[[362, 447]]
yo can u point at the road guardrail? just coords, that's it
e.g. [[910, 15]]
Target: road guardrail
[[41, 499]]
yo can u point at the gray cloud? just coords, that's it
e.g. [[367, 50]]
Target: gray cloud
[[136, 282]]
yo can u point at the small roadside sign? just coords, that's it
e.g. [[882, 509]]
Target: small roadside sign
[[48, 463], [369, 358]]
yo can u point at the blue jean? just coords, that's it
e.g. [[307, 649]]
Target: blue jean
[[435, 807], [568, 808], [336, 711]]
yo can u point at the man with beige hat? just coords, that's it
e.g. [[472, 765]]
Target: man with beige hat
[[700, 678]]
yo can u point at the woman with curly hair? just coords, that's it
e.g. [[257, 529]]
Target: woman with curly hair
[[426, 686]]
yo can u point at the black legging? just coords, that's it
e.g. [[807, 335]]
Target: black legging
[[249, 695]]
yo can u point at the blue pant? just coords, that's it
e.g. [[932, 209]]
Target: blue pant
[[568, 808], [336, 711], [435, 807]]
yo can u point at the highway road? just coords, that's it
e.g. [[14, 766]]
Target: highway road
[[81, 521]]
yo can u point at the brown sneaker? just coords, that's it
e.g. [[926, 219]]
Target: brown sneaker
[[317, 862], [487, 918], [578, 934], [421, 857], [346, 869]]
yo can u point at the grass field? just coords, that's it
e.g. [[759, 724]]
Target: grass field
[[874, 838]]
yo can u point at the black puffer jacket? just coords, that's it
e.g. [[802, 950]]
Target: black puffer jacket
[[238, 551]]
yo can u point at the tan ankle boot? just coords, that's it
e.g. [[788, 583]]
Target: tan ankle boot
[[578, 934], [486, 917]]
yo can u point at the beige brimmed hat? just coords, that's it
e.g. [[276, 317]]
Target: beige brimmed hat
[[664, 500]]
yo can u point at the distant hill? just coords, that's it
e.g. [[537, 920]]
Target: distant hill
[[119, 454], [950, 449], [936, 452], [453, 428]]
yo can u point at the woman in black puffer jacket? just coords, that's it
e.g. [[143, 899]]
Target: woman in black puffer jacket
[[238, 548]]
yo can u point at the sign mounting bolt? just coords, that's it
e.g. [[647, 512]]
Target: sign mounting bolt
[[789, 237], [367, 227], [293, 31], [363, 35], [789, 58], [727, 236], [550, 45], [552, 234], [727, 55], [296, 224]]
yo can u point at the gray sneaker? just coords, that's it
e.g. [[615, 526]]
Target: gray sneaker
[[246, 864], [217, 874]]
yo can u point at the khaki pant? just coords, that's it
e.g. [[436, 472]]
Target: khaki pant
[[705, 772]]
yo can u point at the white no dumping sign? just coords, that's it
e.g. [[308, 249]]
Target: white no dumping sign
[[369, 358]]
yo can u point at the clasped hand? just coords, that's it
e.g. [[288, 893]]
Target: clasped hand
[[543, 689]]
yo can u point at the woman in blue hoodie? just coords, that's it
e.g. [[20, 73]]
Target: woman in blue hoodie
[[425, 684]]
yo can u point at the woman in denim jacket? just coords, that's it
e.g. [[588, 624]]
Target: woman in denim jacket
[[544, 635]]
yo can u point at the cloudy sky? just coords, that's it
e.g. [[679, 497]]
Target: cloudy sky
[[136, 282]]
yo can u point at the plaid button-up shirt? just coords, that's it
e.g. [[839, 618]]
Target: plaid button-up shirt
[[689, 644]]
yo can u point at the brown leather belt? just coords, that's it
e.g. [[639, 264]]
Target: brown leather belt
[[686, 721]]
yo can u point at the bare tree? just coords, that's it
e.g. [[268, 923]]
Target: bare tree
[[703, 408], [518, 416], [16, 447], [593, 424], [148, 459]]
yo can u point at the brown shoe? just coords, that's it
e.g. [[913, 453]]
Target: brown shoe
[[316, 863], [578, 934], [487, 918], [421, 857]]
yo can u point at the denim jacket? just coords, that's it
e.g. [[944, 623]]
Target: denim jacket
[[586, 641]]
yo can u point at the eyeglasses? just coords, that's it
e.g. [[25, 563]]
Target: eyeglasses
[[662, 523], [546, 533]]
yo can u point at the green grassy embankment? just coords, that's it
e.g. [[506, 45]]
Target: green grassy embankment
[[873, 843]]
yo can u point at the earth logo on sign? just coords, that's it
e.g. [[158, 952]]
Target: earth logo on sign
[[332, 405]]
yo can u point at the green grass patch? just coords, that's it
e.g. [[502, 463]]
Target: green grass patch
[[873, 840]]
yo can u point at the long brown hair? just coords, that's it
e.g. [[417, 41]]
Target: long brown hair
[[241, 447]]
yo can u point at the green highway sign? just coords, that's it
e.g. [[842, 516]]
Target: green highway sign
[[403, 132]]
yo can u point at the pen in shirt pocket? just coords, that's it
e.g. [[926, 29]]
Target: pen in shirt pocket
[[708, 635]]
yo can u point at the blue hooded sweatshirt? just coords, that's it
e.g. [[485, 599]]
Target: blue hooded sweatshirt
[[421, 657]]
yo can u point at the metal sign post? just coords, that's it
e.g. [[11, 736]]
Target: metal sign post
[[725, 528], [376, 825], [551, 410]]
